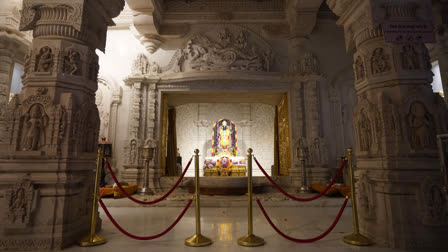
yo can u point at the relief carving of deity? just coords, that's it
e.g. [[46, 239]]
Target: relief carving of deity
[[409, 58], [140, 65], [35, 122], [20, 201], [420, 123], [436, 203], [359, 69], [45, 60], [380, 61], [72, 63], [365, 132]]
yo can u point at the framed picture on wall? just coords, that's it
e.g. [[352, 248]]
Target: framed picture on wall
[[442, 144]]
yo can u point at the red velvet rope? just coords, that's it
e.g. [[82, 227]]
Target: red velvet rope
[[304, 240], [301, 199], [144, 237], [147, 202]]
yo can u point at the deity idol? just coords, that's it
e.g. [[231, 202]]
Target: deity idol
[[224, 140]]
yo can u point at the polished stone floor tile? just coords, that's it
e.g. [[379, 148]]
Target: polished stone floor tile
[[224, 225]]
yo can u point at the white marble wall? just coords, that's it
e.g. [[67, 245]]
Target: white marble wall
[[254, 123]]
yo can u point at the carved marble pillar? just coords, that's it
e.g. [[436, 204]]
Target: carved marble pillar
[[47, 159], [6, 69], [396, 119], [440, 9]]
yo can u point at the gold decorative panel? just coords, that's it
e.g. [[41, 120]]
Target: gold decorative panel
[[283, 137]]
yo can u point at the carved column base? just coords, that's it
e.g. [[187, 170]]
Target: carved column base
[[49, 209], [396, 194]]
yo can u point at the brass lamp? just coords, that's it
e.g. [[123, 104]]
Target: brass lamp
[[302, 155], [148, 154]]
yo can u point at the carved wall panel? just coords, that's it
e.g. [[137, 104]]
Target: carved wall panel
[[366, 122]]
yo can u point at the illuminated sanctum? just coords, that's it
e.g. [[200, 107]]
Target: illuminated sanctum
[[297, 82]]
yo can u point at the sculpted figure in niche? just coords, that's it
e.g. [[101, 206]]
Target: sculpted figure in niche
[[45, 60], [71, 63], [36, 122], [17, 206], [436, 203], [420, 123], [365, 132], [409, 58], [380, 61], [359, 69]]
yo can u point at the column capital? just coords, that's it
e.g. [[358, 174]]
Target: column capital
[[362, 19], [82, 20]]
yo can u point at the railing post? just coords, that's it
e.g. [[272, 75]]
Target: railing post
[[355, 238], [250, 240], [93, 239], [197, 240]]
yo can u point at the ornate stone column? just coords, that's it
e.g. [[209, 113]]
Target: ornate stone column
[[141, 123], [13, 47], [440, 10], [396, 119], [47, 159]]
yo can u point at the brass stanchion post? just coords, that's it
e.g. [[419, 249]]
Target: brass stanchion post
[[197, 240], [93, 239], [250, 240], [355, 238]]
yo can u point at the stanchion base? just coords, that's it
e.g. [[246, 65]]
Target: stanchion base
[[250, 241], [357, 239], [304, 190], [198, 241], [145, 191], [97, 240]]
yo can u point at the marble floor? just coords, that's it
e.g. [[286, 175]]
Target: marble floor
[[225, 224]]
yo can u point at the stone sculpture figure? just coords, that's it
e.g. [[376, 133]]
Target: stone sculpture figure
[[365, 132], [71, 63], [17, 206], [309, 64], [316, 151], [133, 152], [36, 122], [409, 58], [267, 55], [435, 203], [140, 65], [380, 61], [359, 69], [45, 60], [241, 41], [421, 133], [224, 37]]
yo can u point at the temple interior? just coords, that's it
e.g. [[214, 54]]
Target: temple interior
[[303, 106]]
